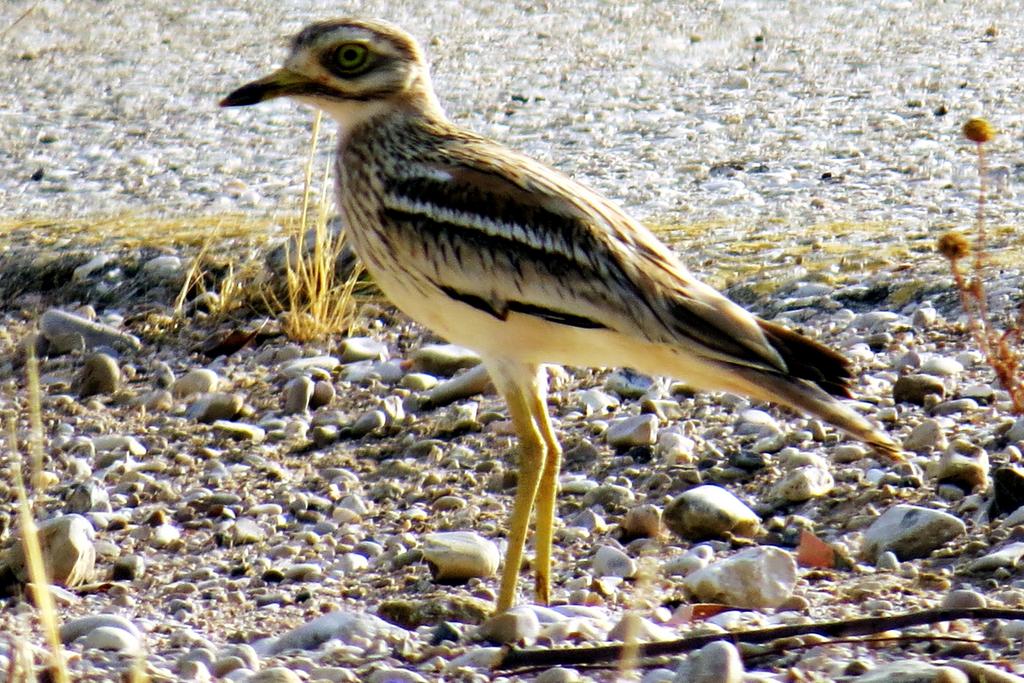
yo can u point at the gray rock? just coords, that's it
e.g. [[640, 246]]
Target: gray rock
[[362, 348], [56, 324], [914, 388], [964, 465], [717, 662], [100, 375], [1016, 432], [129, 567], [245, 531], [639, 430], [240, 430], [74, 629], [1008, 557], [87, 496], [342, 626], [443, 360], [69, 551], [368, 423], [959, 405], [710, 512], [963, 599], [912, 672], [941, 367], [464, 385], [163, 268], [518, 625], [610, 561], [642, 521], [910, 532], [319, 367], [209, 408], [803, 484], [756, 422], [323, 394], [275, 674], [196, 381], [926, 436], [297, 394], [629, 384], [110, 638]]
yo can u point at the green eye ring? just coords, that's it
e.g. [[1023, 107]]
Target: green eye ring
[[351, 57]]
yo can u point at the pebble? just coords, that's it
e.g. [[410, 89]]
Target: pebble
[[368, 423], [356, 349], [959, 405], [128, 567], [942, 367], [110, 638], [298, 392], [460, 555], [68, 545], [278, 674], [697, 557], [319, 367], [1016, 432], [642, 521], [518, 625], [464, 385], [1009, 556], [118, 443], [595, 401], [710, 512], [964, 465], [755, 578], [443, 360], [196, 381], [56, 324], [100, 375], [323, 394], [240, 430], [914, 389], [803, 484], [610, 561], [674, 448], [628, 384], [209, 408], [245, 531], [163, 268], [757, 423], [1007, 490], [344, 627], [87, 496], [910, 532], [79, 627], [912, 672], [927, 435], [634, 628], [640, 430], [559, 674], [717, 662], [963, 599]]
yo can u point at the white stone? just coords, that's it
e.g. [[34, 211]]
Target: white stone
[[639, 430], [755, 578], [460, 555], [610, 561], [803, 484], [717, 662]]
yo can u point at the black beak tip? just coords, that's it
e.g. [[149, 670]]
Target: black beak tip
[[244, 96]]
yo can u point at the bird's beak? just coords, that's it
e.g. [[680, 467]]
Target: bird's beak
[[281, 83]]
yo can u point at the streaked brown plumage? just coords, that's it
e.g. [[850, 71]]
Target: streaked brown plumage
[[502, 254]]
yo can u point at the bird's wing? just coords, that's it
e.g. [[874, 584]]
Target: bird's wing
[[504, 233]]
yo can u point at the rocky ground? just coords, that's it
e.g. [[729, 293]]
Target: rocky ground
[[285, 511]]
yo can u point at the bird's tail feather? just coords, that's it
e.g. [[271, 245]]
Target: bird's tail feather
[[808, 398]]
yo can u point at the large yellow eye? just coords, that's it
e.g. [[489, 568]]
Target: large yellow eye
[[351, 57]]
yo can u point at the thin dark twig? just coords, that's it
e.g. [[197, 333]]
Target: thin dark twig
[[516, 658]]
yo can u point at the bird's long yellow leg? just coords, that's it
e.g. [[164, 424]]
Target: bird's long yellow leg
[[546, 497], [531, 466]]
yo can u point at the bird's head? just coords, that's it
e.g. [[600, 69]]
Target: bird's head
[[351, 69]]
